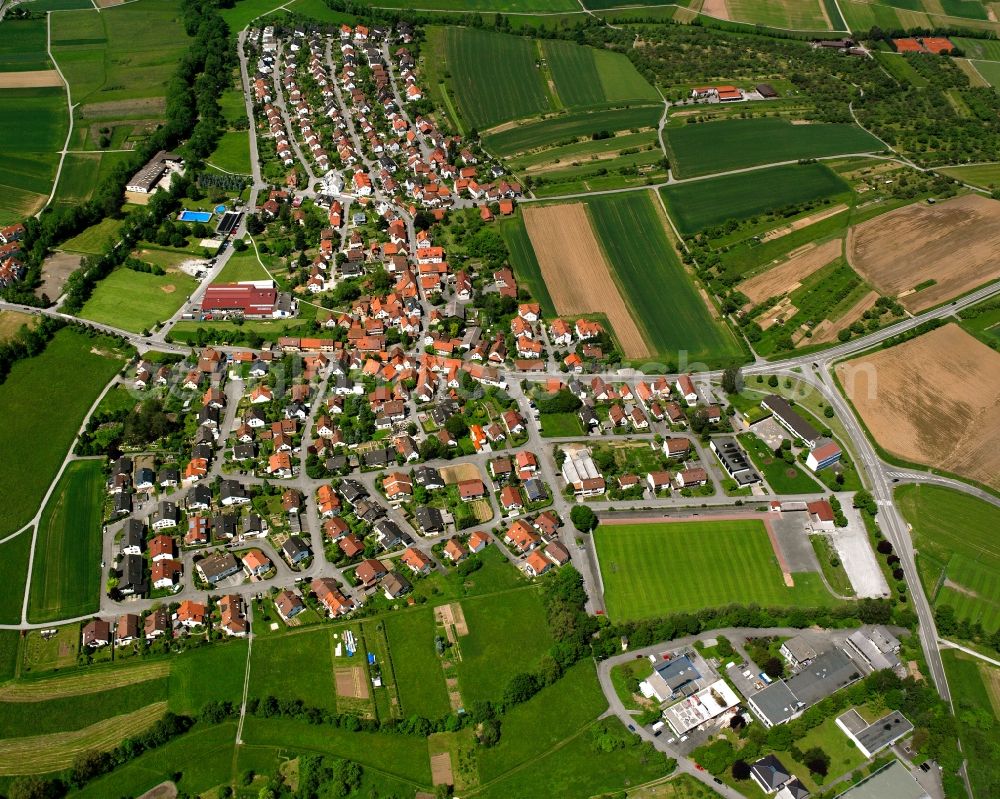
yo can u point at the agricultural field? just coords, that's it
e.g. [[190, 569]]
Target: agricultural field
[[958, 554], [702, 149], [83, 172], [70, 376], [703, 203], [951, 244], [22, 45], [587, 152], [812, 15], [941, 415], [33, 124], [990, 72], [524, 262], [586, 77], [981, 49], [136, 301], [66, 580], [674, 314], [652, 570], [13, 576], [917, 14], [984, 175]]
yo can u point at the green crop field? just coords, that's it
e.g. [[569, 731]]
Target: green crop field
[[699, 204], [13, 577], [983, 49], [9, 642], [419, 678], [794, 14], [959, 554], [306, 655], [985, 175], [232, 153], [587, 77], [493, 76], [737, 143], [526, 268], [33, 124], [582, 151], [652, 570], [49, 392], [653, 282], [506, 6], [22, 45], [137, 300], [66, 579], [82, 172], [508, 634], [990, 70], [559, 129]]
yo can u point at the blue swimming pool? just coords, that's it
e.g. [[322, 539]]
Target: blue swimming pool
[[220, 209], [195, 216]]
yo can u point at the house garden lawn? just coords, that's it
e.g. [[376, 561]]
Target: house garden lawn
[[701, 149], [419, 678], [13, 576], [296, 665], [653, 570], [137, 301], [557, 129], [53, 653], [640, 669], [660, 294], [493, 76], [984, 175], [66, 579], [22, 45], [95, 239], [204, 757], [975, 685], [207, 673], [525, 264], [603, 758], [508, 634], [232, 154], [558, 425], [704, 203], [783, 478], [62, 714], [958, 550], [49, 392], [33, 124], [554, 714], [403, 756]]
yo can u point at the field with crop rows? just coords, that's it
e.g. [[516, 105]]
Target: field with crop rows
[[586, 77], [706, 148], [704, 203]]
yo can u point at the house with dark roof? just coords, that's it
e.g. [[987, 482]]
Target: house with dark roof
[[769, 774]]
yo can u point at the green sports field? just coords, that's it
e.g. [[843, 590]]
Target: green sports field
[[493, 76], [662, 296], [33, 124], [586, 77], [958, 550], [137, 300], [699, 204], [66, 579], [712, 147], [656, 569], [49, 392]]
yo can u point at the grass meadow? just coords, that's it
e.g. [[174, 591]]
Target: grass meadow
[[959, 554], [232, 153], [419, 678], [208, 673], [984, 49], [573, 125], [33, 124], [782, 477], [652, 570], [50, 392], [13, 576], [83, 172], [699, 204], [294, 666], [508, 634], [711, 147], [975, 687], [660, 293], [66, 579], [9, 640], [94, 239], [990, 70], [137, 300]]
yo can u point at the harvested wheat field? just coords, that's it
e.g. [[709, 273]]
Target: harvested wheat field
[[351, 682], [788, 276], [933, 400], [35, 79], [575, 272], [953, 243]]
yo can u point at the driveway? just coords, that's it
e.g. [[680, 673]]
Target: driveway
[[855, 551]]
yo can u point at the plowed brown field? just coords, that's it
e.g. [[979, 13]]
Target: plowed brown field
[[933, 400], [575, 272], [954, 243], [788, 276]]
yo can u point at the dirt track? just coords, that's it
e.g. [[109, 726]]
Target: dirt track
[[953, 242], [933, 400], [35, 79], [786, 277], [576, 273]]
